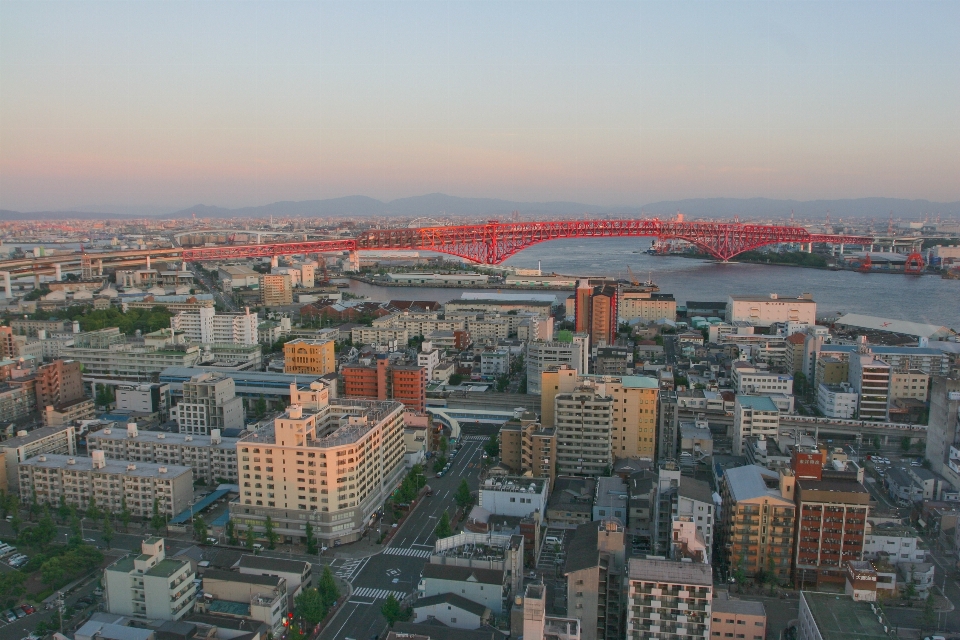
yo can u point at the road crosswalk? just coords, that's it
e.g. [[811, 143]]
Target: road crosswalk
[[476, 438], [416, 553], [347, 569], [377, 594]]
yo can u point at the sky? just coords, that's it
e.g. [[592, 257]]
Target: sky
[[171, 104]]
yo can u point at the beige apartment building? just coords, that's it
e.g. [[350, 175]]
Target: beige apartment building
[[329, 462], [909, 384], [526, 445], [309, 356], [736, 618], [275, 289], [635, 402]]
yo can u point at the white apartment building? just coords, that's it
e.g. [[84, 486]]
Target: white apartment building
[[150, 586], [767, 310], [668, 599], [419, 323], [129, 362], [332, 462], [747, 379], [209, 402], [206, 326], [837, 400], [584, 424], [897, 543], [60, 440], [543, 356], [870, 378], [495, 363], [379, 335], [429, 361], [211, 457], [514, 496], [753, 416], [108, 482]]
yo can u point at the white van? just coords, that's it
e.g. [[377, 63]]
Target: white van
[[551, 540], [257, 547]]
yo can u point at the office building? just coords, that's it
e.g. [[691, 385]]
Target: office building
[[206, 326], [79, 480], [513, 496], [827, 616], [759, 515], [764, 311], [209, 402], [832, 510], [143, 398], [494, 363], [61, 439], [526, 446], [387, 380], [330, 461], [309, 356], [894, 543], [870, 378], [275, 290], [668, 599], [643, 304], [753, 416], [149, 586], [544, 356], [943, 430], [748, 380], [736, 618], [213, 458], [584, 425], [594, 570], [837, 400]]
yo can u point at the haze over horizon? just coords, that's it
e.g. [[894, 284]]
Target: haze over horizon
[[161, 105]]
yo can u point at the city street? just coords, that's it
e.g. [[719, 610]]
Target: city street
[[397, 569]]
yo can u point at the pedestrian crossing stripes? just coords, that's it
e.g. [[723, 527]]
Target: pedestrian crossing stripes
[[476, 438], [377, 594], [347, 569], [416, 553]]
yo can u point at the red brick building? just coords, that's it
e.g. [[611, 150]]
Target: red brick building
[[387, 381]]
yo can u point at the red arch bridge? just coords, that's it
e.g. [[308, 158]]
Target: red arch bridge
[[494, 242]]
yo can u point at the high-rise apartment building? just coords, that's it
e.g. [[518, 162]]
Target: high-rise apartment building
[[206, 326], [387, 380], [832, 509], [330, 462], [209, 402], [759, 513], [150, 586], [275, 289], [544, 356], [528, 446], [80, 480], [594, 570], [668, 599], [58, 384], [582, 306], [309, 356], [584, 424], [668, 427], [870, 377], [603, 315], [635, 398]]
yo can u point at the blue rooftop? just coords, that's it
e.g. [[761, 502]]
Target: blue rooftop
[[757, 403], [208, 500]]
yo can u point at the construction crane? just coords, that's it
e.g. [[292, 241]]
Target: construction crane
[[634, 280]]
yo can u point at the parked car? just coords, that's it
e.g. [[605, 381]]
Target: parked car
[[20, 613], [10, 616], [29, 609], [439, 474]]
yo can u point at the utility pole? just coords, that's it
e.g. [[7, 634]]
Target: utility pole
[[60, 609]]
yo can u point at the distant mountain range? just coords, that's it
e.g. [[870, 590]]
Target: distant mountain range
[[439, 205]]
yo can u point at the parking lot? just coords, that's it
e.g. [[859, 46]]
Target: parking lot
[[550, 568]]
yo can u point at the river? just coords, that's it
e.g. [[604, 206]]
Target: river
[[929, 299]]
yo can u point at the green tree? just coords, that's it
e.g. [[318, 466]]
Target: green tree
[[739, 574], [310, 607], [105, 396], [63, 510], [463, 496], [438, 463], [250, 538], [444, 445], [124, 513], [107, 532], [455, 379], [905, 444], [260, 408], [443, 529], [391, 610], [269, 533], [328, 587], [76, 531], [16, 522], [311, 541], [93, 511], [231, 531], [6, 504], [200, 528], [928, 618], [910, 591], [492, 447], [876, 443], [158, 521]]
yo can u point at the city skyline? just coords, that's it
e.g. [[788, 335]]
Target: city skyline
[[615, 104]]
